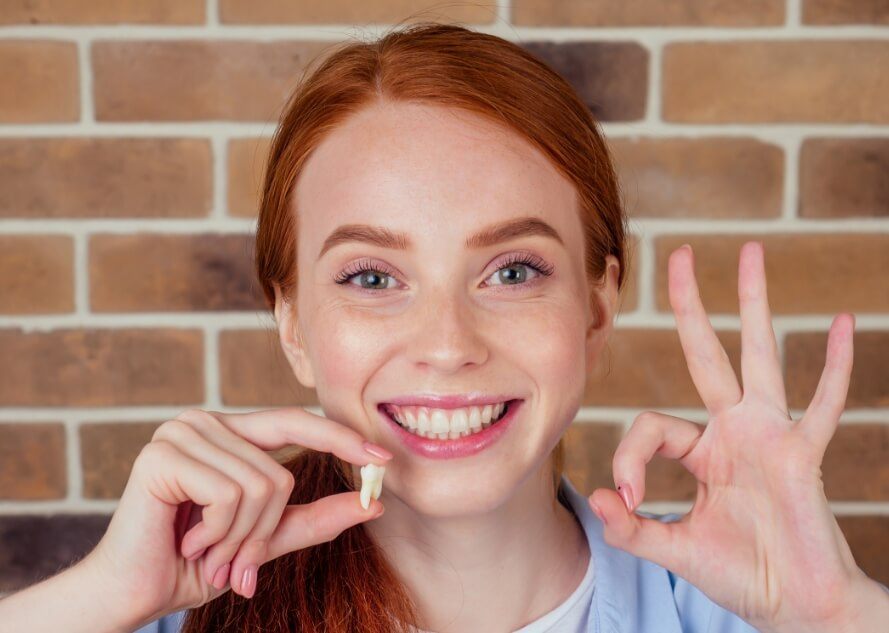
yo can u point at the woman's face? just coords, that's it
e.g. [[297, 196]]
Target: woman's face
[[433, 315]]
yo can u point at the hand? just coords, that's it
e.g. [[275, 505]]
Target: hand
[[204, 486], [760, 540]]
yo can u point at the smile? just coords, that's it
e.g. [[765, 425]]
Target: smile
[[449, 433], [444, 424]]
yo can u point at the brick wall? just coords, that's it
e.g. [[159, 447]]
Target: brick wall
[[131, 147]]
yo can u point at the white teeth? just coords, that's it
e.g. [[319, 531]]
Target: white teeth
[[447, 423], [371, 483], [440, 424]]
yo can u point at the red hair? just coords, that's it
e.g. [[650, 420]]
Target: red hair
[[347, 585]]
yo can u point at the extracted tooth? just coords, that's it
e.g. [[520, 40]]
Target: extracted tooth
[[371, 483]]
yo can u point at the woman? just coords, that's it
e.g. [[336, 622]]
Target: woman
[[441, 227]]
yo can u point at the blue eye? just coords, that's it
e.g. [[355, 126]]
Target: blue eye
[[517, 261], [364, 268], [370, 271]]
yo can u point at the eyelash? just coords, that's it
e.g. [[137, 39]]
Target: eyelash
[[365, 265]]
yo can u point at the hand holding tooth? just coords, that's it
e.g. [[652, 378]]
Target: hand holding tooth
[[206, 506]]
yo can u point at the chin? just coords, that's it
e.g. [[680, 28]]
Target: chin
[[450, 494]]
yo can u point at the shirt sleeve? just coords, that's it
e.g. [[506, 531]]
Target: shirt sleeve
[[170, 623]]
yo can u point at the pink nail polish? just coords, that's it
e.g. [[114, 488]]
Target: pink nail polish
[[248, 581], [376, 451], [598, 512], [626, 494], [221, 576]]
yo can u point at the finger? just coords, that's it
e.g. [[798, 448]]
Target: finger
[[823, 413], [251, 552], [666, 544], [323, 520], [256, 490], [760, 364], [174, 477], [709, 365], [653, 433], [272, 429]]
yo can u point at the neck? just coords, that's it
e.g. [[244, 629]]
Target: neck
[[492, 572]]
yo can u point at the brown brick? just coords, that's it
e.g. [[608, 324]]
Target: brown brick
[[36, 547], [845, 12], [102, 12], [867, 537], [191, 80], [346, 12], [105, 177], [611, 78], [856, 463], [589, 464], [844, 177], [156, 272], [831, 81], [804, 357], [102, 367], [41, 81], [646, 368], [247, 159], [33, 465], [818, 273], [589, 449], [646, 13], [714, 177], [107, 453], [36, 274], [253, 371], [628, 300]]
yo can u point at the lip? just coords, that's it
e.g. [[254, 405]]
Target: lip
[[456, 401], [460, 447]]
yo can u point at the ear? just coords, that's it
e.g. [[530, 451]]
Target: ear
[[603, 301], [291, 340]]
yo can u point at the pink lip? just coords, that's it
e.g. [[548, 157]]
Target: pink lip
[[460, 447], [473, 399]]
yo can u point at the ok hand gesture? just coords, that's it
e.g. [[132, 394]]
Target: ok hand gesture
[[760, 540]]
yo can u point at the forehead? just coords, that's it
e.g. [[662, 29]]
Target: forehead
[[433, 172]]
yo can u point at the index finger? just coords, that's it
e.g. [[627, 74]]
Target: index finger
[[272, 429]]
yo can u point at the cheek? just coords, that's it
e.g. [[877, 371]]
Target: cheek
[[551, 341], [345, 350]]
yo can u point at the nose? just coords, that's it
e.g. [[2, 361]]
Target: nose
[[444, 334]]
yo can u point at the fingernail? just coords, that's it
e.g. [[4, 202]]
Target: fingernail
[[377, 451], [627, 494], [221, 576], [598, 512], [248, 581]]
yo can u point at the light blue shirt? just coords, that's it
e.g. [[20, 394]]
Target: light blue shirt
[[620, 593]]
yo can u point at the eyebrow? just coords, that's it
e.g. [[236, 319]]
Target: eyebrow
[[488, 236]]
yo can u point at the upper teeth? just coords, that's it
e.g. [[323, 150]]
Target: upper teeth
[[447, 423]]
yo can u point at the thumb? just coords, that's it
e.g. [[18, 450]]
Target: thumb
[[320, 521], [665, 544]]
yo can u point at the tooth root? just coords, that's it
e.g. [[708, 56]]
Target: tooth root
[[365, 497]]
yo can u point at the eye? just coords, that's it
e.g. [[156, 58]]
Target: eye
[[366, 271], [513, 271]]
